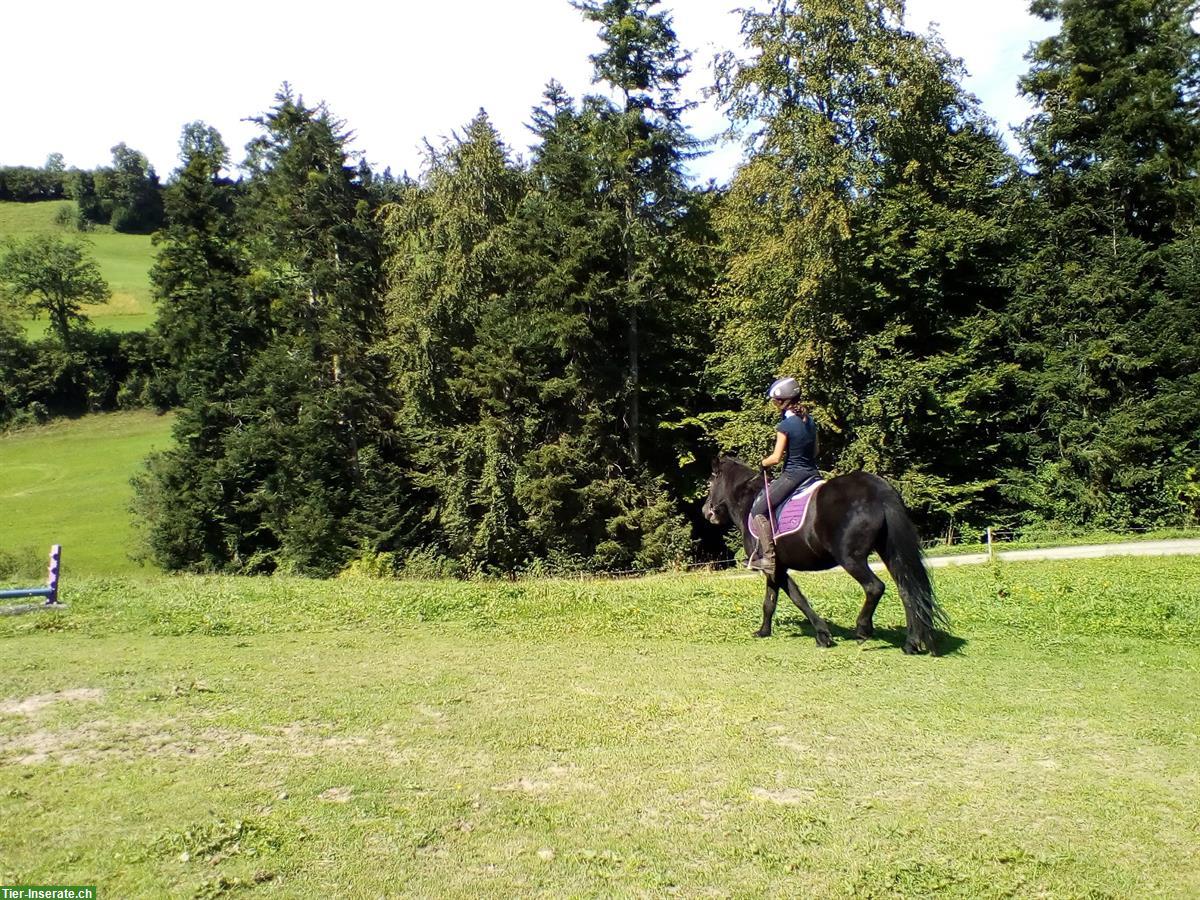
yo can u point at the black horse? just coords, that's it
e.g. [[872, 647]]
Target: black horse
[[850, 516]]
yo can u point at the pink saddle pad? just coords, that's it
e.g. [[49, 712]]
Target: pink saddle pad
[[790, 516]]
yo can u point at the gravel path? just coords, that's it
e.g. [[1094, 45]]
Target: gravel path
[[1178, 547]]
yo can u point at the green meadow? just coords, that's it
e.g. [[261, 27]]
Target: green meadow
[[211, 736], [204, 737], [68, 483], [124, 260]]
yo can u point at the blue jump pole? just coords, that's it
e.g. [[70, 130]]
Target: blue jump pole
[[50, 591]]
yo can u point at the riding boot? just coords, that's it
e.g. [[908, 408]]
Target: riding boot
[[764, 559]]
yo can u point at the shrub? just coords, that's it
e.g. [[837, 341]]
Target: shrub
[[22, 564], [371, 564]]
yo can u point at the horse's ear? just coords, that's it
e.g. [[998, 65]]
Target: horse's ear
[[716, 465]]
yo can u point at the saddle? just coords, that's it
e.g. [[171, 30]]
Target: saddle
[[790, 514]]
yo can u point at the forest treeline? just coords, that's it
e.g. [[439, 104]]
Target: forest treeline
[[525, 364], [126, 195]]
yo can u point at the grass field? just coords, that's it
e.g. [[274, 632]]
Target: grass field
[[280, 737], [124, 261], [68, 483], [286, 737]]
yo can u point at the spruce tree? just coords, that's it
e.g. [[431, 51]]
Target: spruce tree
[[865, 244], [328, 463], [443, 240], [1104, 316], [205, 324], [642, 145], [291, 451], [564, 330], [544, 323], [211, 328]]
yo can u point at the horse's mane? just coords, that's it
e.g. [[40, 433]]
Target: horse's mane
[[735, 463]]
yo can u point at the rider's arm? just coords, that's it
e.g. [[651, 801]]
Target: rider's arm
[[779, 453]]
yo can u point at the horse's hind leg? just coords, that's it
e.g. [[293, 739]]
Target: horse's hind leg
[[873, 588], [769, 601], [824, 639]]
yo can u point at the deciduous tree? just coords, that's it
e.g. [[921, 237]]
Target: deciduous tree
[[54, 277]]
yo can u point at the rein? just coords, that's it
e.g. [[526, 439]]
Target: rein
[[767, 496]]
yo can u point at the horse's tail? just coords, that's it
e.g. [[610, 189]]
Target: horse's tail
[[902, 555]]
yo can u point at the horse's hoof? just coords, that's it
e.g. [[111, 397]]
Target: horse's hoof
[[761, 633], [824, 639], [913, 649]]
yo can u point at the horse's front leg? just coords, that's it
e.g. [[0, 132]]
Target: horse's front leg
[[824, 639], [769, 601]]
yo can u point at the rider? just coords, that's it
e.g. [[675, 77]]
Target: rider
[[796, 448]]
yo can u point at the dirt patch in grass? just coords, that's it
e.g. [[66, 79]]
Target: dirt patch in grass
[[783, 797], [31, 705], [336, 795], [33, 748], [105, 740], [552, 779], [98, 741]]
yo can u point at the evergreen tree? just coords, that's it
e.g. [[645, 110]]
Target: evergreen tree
[[544, 323], [510, 338], [642, 144], [630, 240], [325, 455], [211, 327], [562, 335], [207, 327], [443, 276], [292, 452], [865, 246], [1105, 312]]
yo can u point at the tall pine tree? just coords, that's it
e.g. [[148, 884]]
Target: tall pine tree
[[865, 246], [1105, 316], [545, 326], [443, 241], [303, 465], [211, 330]]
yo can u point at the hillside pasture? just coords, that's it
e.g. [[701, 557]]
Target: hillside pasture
[[283, 737], [124, 260], [68, 483]]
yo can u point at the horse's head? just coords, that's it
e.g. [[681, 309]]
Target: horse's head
[[722, 488]]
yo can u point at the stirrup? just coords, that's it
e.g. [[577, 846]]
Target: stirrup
[[758, 563]]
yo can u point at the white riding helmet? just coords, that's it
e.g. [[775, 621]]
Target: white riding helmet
[[784, 389]]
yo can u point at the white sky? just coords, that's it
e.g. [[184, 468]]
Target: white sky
[[80, 75]]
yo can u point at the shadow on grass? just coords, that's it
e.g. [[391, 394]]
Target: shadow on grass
[[948, 644]]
